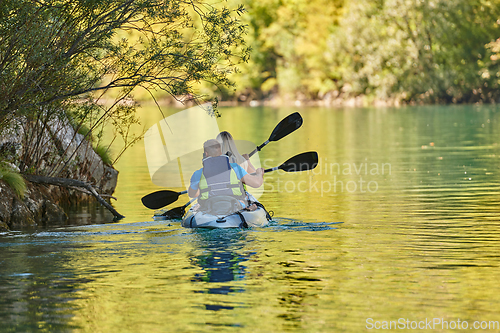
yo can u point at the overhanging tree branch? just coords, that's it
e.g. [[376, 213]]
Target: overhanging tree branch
[[69, 183]]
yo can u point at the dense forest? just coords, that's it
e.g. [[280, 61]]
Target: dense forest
[[73, 70], [409, 51], [83, 62]]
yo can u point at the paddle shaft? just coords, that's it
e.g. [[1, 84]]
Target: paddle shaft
[[286, 126], [190, 202], [184, 206], [274, 169], [177, 212], [258, 148]]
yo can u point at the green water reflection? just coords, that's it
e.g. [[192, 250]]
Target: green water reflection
[[419, 239]]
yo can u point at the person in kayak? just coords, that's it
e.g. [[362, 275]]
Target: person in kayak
[[221, 178], [229, 148]]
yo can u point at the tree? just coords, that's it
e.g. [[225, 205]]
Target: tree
[[493, 69], [59, 58], [289, 47], [430, 51]]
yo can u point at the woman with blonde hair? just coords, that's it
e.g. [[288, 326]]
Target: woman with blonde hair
[[227, 144]]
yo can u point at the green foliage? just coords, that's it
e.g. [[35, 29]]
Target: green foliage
[[84, 130], [289, 41], [13, 179], [64, 52], [410, 50], [419, 50], [493, 70], [82, 60], [104, 153]]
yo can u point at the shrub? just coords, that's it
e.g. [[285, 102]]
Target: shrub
[[105, 154], [14, 180]]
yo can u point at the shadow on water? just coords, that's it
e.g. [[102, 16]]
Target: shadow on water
[[285, 224], [222, 261], [232, 260]]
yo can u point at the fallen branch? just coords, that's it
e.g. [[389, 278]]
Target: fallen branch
[[69, 183], [88, 192]]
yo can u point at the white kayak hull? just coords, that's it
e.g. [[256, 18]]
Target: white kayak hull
[[246, 219]]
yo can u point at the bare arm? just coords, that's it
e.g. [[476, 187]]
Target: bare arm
[[249, 166], [255, 180], [193, 193]]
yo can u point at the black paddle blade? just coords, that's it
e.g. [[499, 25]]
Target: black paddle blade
[[159, 199], [286, 126], [175, 213], [301, 162]]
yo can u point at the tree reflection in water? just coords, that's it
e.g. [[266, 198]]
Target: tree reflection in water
[[221, 261]]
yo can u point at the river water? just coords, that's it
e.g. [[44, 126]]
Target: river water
[[398, 223]]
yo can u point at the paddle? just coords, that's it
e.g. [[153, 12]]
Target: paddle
[[286, 126], [301, 162], [177, 212], [289, 124], [159, 199]]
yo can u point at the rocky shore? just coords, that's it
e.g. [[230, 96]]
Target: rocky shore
[[63, 153]]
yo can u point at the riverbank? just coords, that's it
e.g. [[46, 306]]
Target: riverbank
[[44, 204], [330, 100], [55, 167]]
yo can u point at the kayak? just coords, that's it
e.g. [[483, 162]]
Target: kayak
[[240, 219], [202, 218]]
